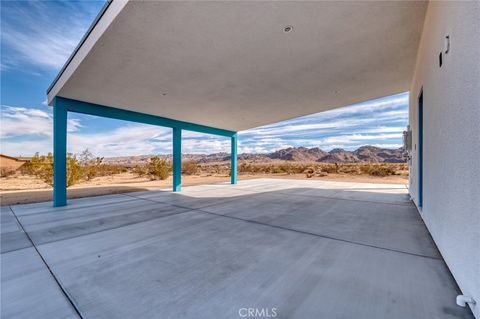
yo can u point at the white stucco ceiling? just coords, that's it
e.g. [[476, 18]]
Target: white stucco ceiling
[[230, 65]]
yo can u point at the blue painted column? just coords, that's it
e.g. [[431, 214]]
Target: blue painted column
[[177, 159], [233, 156], [59, 154]]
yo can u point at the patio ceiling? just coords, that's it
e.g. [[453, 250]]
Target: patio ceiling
[[231, 65]]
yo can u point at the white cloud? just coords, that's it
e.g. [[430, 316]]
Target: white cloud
[[382, 124], [368, 114], [355, 138], [21, 121], [27, 147], [133, 139], [36, 32], [51, 50], [386, 145]]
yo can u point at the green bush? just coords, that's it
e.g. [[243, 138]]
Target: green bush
[[190, 168], [6, 172], [89, 164], [380, 170], [351, 169], [158, 168], [140, 170], [74, 170], [329, 168], [309, 172], [41, 166], [277, 170]]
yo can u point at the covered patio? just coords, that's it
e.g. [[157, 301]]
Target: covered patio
[[309, 249], [306, 249], [225, 66]]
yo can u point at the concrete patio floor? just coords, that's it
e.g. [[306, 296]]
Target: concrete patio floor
[[310, 249]]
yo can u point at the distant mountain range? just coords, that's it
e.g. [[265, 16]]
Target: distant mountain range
[[367, 153]]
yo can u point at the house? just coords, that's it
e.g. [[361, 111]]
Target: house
[[10, 163], [223, 67]]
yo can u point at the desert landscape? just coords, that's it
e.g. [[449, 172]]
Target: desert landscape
[[93, 176]]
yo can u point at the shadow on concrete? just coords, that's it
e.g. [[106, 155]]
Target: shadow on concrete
[[301, 249], [38, 196]]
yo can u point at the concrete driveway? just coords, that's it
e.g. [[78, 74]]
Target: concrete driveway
[[278, 248]]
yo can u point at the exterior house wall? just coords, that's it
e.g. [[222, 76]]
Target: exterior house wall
[[451, 138], [9, 163]]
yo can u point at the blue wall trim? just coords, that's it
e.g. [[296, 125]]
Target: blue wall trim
[[120, 114]]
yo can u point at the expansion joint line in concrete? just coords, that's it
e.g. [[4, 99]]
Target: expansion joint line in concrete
[[77, 311], [120, 226], [178, 206], [66, 208], [295, 230], [351, 199], [319, 235]]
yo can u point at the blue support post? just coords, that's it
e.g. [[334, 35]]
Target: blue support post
[[63, 105], [120, 114], [59, 155], [177, 159], [233, 156]]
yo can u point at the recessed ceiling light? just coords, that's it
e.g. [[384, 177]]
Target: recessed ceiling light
[[288, 28]]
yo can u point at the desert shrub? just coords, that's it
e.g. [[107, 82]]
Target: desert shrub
[[309, 172], [273, 168], [258, 168], [378, 169], [93, 166], [381, 171], [74, 170], [277, 169], [158, 168], [41, 166], [244, 168], [365, 168], [300, 168], [329, 168], [287, 168], [109, 169], [292, 168], [262, 168], [351, 169], [401, 169], [89, 164], [140, 170], [190, 168], [6, 172], [218, 168]]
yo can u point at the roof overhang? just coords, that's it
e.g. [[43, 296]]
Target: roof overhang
[[231, 65]]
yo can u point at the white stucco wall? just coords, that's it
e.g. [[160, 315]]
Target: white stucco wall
[[451, 170]]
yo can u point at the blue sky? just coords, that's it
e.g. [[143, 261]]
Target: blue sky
[[36, 40]]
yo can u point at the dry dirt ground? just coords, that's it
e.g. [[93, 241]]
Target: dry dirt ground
[[21, 189]]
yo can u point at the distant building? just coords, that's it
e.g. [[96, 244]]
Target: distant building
[[12, 163]]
